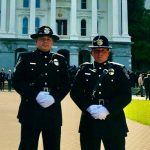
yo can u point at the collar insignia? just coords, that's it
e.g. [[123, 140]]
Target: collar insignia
[[93, 70], [56, 62]]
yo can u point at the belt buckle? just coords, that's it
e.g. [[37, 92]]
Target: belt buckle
[[46, 89], [101, 101]]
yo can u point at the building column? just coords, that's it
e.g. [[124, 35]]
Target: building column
[[3, 16], [94, 18], [74, 56], [53, 16], [115, 16], [124, 18], [73, 20], [32, 17], [12, 16]]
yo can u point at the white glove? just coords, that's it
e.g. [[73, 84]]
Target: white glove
[[41, 95], [101, 113], [44, 99], [98, 112], [92, 108]]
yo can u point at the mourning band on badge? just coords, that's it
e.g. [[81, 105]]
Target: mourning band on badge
[[111, 71]]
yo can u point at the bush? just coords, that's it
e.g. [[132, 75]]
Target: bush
[[139, 110]]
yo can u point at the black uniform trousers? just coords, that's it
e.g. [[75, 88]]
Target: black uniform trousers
[[147, 92], [91, 142], [30, 138]]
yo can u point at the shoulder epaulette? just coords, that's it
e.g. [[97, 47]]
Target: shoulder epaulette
[[57, 55], [85, 64], [117, 64]]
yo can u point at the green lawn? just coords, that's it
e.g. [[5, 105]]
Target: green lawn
[[139, 110]]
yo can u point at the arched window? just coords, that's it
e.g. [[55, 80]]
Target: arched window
[[25, 25], [25, 3], [37, 24], [83, 4], [61, 27], [37, 3], [83, 27]]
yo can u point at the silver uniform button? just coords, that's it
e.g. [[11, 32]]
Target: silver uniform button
[[99, 75], [45, 64], [46, 74], [45, 83], [100, 68], [45, 56], [100, 84], [100, 92]]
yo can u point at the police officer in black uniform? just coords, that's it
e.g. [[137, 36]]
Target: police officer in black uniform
[[41, 79], [101, 90]]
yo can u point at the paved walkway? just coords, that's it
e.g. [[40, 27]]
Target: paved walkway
[[138, 97], [138, 137]]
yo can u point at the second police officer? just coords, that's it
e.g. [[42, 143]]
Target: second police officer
[[101, 90], [41, 79]]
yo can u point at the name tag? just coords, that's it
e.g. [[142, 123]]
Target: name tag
[[32, 63], [88, 74]]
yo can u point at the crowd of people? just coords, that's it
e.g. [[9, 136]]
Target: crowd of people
[[6, 77], [141, 82]]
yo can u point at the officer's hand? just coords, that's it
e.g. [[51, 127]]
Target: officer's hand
[[41, 95], [46, 101]]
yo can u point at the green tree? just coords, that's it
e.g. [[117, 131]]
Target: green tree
[[139, 30]]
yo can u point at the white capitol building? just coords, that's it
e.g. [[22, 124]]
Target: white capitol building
[[75, 21]]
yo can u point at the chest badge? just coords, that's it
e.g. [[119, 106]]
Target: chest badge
[[56, 62], [111, 71]]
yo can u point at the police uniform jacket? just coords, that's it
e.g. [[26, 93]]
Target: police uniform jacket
[[147, 83], [35, 72], [114, 89]]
